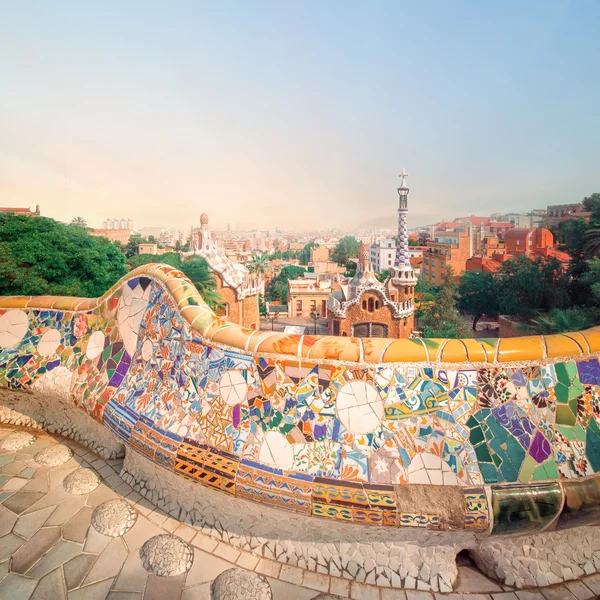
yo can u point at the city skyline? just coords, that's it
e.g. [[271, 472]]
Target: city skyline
[[269, 115]]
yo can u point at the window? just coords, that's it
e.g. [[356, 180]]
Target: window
[[406, 290], [376, 304], [370, 330], [336, 328], [426, 261], [364, 305], [299, 306], [323, 308], [371, 305], [433, 263], [313, 305]]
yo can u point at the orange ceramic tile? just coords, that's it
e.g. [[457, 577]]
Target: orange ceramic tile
[[15, 301], [561, 345], [43, 301], [454, 351], [593, 338], [88, 304], [231, 335], [203, 322], [336, 348], [433, 346], [579, 339], [68, 303], [282, 343], [374, 347], [406, 350], [475, 351], [257, 338], [528, 347]]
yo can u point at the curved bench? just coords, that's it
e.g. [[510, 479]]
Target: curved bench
[[372, 459]]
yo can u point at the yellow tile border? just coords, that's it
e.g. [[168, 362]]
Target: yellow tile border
[[325, 347]]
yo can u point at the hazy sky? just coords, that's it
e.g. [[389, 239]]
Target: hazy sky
[[297, 114]]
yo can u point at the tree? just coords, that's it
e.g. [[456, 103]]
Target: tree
[[199, 272], [479, 295], [79, 222], [527, 286], [305, 253], [42, 256], [346, 248], [383, 275], [262, 307], [277, 290], [259, 263], [169, 258], [441, 317]]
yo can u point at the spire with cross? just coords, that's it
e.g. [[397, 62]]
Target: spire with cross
[[402, 260], [403, 176]]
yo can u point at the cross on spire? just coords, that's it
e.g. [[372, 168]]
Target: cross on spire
[[403, 176]]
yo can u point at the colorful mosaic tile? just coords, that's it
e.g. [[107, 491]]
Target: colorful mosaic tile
[[317, 436]]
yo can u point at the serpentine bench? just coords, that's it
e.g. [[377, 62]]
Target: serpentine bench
[[372, 459]]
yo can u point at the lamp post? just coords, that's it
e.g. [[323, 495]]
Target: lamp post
[[314, 315], [273, 317]]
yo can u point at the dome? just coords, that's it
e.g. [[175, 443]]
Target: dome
[[203, 219]]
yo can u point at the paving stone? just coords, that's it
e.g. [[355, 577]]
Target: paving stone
[[185, 532], [57, 477], [16, 587], [247, 561], [558, 592], [159, 588], [124, 596], [109, 562], [28, 473], [7, 522], [95, 591], [361, 591], [390, 594], [4, 569], [529, 595], [593, 582], [269, 568], [339, 587], [14, 484], [418, 595], [34, 548], [5, 460], [291, 574], [61, 553], [505, 596], [579, 590], [76, 528], [21, 501], [288, 591], [198, 592], [50, 587], [77, 568], [316, 581], [29, 523], [133, 576], [66, 509], [52, 498], [140, 533], [9, 545], [471, 580], [96, 542], [205, 542], [205, 567], [227, 552], [38, 484]]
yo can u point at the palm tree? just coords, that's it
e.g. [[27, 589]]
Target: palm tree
[[79, 222], [259, 263], [592, 242], [560, 320], [198, 270]]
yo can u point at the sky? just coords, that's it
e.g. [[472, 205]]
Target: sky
[[297, 114]]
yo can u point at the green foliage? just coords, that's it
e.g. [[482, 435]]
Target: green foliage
[[170, 258], [41, 256], [560, 320], [200, 274], [262, 307], [441, 317], [305, 254], [131, 247], [259, 262], [79, 222], [479, 295], [383, 275], [592, 278], [413, 242], [277, 290], [286, 255], [346, 248]]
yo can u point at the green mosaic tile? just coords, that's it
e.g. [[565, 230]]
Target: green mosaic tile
[[527, 469], [565, 416]]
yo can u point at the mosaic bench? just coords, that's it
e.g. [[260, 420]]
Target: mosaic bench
[[373, 459]]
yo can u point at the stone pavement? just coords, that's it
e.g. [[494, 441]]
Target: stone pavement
[[49, 549]]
